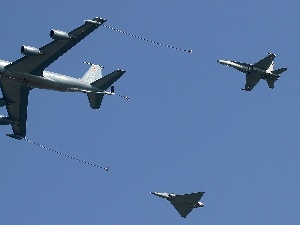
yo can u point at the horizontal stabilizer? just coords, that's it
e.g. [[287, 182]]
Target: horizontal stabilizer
[[279, 71], [105, 82], [95, 99], [271, 83]]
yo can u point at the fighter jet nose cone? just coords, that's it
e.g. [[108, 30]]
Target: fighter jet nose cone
[[223, 62]]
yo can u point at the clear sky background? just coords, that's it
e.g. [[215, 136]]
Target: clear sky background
[[186, 128]]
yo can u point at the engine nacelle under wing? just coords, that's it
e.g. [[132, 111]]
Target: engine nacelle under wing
[[28, 50], [59, 35]]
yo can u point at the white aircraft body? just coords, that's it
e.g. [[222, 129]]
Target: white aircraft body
[[19, 77], [263, 69], [185, 203]]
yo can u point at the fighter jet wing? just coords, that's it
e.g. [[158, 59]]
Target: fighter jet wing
[[265, 63], [35, 64], [242, 63], [182, 208], [192, 198], [251, 81], [17, 98]]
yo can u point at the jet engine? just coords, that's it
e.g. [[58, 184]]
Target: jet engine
[[28, 50], [59, 35]]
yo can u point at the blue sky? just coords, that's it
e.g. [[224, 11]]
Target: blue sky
[[187, 126]]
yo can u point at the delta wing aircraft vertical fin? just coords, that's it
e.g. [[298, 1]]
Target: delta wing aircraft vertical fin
[[35, 64]]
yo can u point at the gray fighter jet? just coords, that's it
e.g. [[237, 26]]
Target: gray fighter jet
[[185, 203], [19, 77], [263, 69]]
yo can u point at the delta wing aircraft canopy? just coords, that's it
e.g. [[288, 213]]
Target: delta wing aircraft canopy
[[19, 77], [185, 203], [263, 69]]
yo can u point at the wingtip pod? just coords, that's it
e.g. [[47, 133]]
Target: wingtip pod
[[96, 21], [105, 168], [271, 54], [190, 51]]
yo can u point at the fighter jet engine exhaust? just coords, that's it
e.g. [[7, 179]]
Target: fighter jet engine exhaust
[[62, 154], [147, 40]]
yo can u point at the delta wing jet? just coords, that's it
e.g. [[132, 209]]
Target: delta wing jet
[[19, 77], [184, 204], [263, 69]]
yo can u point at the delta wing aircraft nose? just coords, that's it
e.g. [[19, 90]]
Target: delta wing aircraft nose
[[162, 195]]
